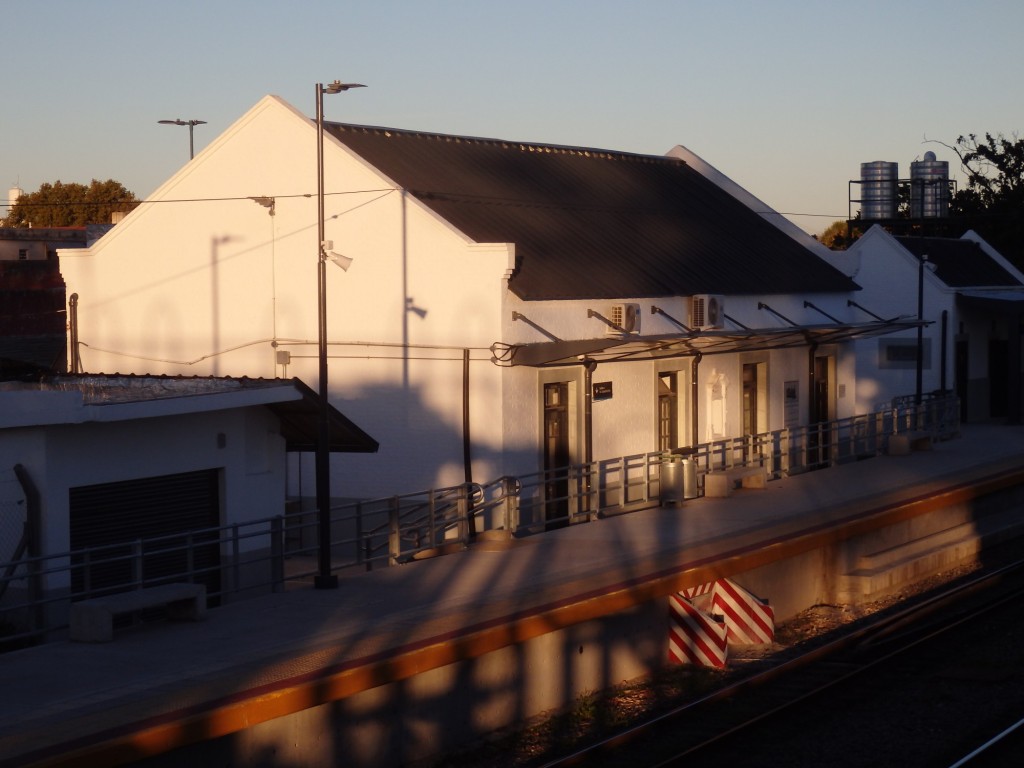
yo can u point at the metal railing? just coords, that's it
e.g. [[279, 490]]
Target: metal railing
[[271, 554]]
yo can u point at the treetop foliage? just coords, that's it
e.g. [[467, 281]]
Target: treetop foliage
[[70, 205], [992, 203]]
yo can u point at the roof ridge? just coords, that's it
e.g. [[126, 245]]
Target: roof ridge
[[525, 146]]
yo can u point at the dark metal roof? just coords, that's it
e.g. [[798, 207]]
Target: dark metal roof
[[595, 224], [959, 263]]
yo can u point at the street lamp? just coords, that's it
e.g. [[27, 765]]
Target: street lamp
[[191, 129], [324, 579]]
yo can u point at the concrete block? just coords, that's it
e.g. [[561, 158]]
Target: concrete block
[[92, 621]]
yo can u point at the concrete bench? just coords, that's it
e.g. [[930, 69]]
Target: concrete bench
[[92, 621], [721, 482], [903, 443]]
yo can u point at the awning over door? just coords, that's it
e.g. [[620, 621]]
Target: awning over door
[[631, 348]]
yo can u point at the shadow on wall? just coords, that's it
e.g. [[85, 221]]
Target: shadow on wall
[[420, 448]]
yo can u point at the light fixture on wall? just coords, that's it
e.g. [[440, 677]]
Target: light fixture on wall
[[270, 203], [325, 579]]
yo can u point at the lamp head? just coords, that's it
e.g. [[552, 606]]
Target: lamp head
[[337, 87]]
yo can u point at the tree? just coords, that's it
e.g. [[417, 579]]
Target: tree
[[993, 201], [70, 205], [839, 235]]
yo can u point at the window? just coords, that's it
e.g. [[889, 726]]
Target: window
[[668, 410], [902, 353]]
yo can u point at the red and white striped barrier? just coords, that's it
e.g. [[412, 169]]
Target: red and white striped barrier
[[694, 636], [704, 589], [749, 619]]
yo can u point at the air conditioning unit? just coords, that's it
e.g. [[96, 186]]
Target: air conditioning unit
[[625, 318], [707, 312]]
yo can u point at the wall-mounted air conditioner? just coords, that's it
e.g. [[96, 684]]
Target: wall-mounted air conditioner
[[707, 312], [625, 318]]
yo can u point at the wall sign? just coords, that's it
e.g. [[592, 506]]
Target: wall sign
[[602, 390]]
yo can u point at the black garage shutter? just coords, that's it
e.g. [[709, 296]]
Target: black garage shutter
[[113, 516]]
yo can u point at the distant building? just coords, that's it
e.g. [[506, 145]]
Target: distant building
[[972, 298], [33, 301]]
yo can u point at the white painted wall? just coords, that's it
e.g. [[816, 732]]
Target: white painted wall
[[202, 280], [60, 457]]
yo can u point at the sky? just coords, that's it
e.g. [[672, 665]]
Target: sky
[[787, 98]]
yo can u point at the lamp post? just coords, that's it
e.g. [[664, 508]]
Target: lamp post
[[191, 129], [324, 579]]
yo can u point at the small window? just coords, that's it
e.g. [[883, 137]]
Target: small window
[[902, 353]]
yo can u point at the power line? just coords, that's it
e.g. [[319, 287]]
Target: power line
[[425, 195]]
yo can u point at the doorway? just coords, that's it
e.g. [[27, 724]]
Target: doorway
[[668, 411], [823, 410], [998, 376], [556, 454]]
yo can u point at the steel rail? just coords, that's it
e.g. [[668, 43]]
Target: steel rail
[[865, 637]]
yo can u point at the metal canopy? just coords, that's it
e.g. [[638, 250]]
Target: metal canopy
[[551, 354]]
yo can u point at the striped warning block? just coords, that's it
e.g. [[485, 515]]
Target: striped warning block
[[694, 636], [703, 589], [749, 619]]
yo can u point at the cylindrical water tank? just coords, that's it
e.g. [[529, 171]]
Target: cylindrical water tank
[[929, 188], [878, 190]]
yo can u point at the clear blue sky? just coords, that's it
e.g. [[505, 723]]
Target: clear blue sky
[[787, 98]]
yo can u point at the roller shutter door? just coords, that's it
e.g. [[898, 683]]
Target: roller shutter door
[[113, 516]]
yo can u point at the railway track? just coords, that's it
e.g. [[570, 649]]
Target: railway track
[[929, 684]]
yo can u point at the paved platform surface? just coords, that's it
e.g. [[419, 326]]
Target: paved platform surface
[[64, 693]]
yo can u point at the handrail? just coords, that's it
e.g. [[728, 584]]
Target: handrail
[[272, 553]]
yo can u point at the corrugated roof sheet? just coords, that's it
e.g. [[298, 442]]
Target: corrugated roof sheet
[[595, 224], [299, 418], [959, 263]]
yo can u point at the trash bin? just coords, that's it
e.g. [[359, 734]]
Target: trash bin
[[689, 472], [672, 480]]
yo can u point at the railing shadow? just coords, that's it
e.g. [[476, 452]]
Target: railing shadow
[[272, 554]]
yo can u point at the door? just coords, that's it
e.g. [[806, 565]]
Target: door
[[821, 437], [754, 406], [961, 374], [998, 377], [114, 516], [750, 399], [556, 454], [668, 411]]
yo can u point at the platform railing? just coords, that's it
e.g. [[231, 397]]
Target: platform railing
[[274, 553]]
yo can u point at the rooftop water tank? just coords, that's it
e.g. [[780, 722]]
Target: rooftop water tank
[[878, 190], [929, 188]]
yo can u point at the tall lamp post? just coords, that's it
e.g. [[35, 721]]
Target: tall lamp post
[[191, 129], [325, 579]]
